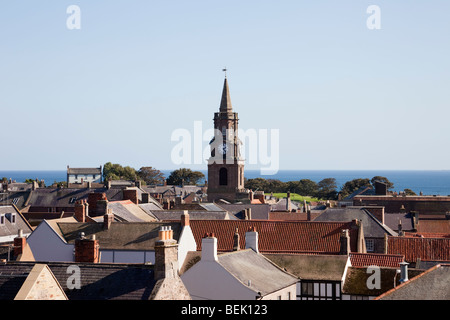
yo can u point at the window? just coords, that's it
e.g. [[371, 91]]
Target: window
[[370, 245], [320, 290], [15, 201], [223, 177], [2, 219], [13, 218]]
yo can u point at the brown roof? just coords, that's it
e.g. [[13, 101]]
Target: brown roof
[[433, 226], [375, 259], [312, 267], [356, 280], [278, 236], [291, 216], [424, 248]]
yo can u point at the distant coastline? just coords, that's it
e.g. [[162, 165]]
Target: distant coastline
[[430, 182]]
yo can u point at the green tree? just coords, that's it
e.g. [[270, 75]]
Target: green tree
[[327, 189], [409, 192], [186, 176], [351, 186], [256, 184], [150, 175], [304, 187], [389, 184], [117, 172], [275, 185]]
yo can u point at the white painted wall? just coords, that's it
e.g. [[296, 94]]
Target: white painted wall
[[186, 243], [85, 177], [47, 245], [209, 280]]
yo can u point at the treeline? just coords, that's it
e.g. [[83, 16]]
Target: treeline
[[150, 175], [324, 189]]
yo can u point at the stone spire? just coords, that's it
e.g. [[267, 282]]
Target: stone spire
[[225, 103]]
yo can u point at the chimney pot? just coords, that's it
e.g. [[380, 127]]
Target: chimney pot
[[404, 271]]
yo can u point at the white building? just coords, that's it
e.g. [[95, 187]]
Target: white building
[[238, 275], [80, 175]]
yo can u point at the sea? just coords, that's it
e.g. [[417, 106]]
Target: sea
[[429, 182]]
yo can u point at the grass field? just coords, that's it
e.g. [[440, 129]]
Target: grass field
[[296, 197]]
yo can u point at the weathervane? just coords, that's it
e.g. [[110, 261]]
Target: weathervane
[[225, 70]]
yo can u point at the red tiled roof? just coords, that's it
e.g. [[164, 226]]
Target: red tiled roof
[[424, 248], [278, 236], [433, 226], [427, 235], [375, 259]]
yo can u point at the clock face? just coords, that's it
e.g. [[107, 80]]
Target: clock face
[[223, 149]]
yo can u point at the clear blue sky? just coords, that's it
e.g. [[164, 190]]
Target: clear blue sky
[[342, 96]]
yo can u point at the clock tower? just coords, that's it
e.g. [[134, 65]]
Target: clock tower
[[226, 166]]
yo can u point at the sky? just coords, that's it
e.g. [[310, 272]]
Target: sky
[[339, 94]]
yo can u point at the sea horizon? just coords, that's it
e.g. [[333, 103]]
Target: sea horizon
[[429, 182]]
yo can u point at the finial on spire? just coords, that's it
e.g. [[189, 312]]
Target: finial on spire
[[225, 70]]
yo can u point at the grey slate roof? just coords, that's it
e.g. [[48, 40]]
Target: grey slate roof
[[259, 211], [18, 198], [391, 220], [255, 271], [280, 205], [98, 281], [129, 211], [372, 227], [193, 214], [433, 284], [84, 170], [9, 228], [64, 197], [120, 235]]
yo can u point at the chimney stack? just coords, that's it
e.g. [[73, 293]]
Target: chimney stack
[[166, 254], [87, 250], [248, 214], [131, 194], [209, 248], [185, 218], [400, 228], [288, 202], [236, 245], [93, 199], [80, 211], [251, 239], [108, 218], [19, 243], [345, 243]]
